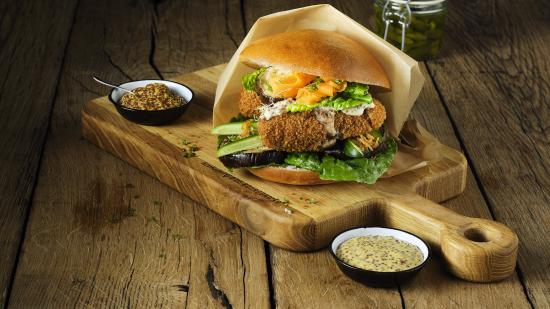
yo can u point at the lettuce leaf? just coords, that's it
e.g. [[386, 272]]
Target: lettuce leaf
[[364, 170], [357, 91], [249, 80], [354, 95], [297, 107], [309, 161]]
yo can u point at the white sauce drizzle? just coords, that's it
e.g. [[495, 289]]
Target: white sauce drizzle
[[357, 110], [275, 109], [325, 116]]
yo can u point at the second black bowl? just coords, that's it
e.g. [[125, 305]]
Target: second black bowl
[[378, 278]]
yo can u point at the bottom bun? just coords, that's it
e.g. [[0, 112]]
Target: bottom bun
[[289, 176]]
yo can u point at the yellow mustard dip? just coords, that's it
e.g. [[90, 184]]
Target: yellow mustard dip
[[379, 253]]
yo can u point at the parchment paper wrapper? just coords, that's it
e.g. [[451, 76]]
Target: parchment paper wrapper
[[403, 72]]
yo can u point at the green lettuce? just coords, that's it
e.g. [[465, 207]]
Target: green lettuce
[[296, 107], [354, 95], [309, 161], [249, 80], [364, 170]]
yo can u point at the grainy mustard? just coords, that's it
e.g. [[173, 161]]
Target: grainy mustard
[[379, 253], [152, 97]]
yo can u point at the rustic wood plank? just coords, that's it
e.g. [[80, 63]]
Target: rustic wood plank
[[191, 35], [103, 234], [494, 78], [33, 36], [185, 41], [433, 288]]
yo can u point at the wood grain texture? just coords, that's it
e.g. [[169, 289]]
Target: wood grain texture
[[190, 35], [432, 288], [186, 41], [103, 234], [495, 82], [33, 36], [473, 249]]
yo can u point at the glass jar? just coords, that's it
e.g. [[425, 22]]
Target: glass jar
[[416, 27]]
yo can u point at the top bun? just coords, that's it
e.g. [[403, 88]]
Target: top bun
[[317, 52]]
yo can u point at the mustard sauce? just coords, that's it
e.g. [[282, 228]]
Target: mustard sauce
[[379, 253], [155, 96]]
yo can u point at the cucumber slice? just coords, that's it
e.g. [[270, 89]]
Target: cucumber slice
[[352, 150], [240, 145], [233, 128]]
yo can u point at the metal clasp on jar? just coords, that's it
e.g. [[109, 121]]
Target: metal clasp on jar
[[403, 13]]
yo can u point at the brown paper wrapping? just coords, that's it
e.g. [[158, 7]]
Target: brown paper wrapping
[[403, 72]]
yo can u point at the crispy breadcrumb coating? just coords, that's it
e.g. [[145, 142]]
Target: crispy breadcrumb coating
[[293, 132], [350, 126], [249, 103], [303, 132]]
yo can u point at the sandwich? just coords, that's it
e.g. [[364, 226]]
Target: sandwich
[[308, 112]]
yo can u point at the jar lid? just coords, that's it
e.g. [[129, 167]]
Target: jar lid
[[424, 3], [419, 3], [417, 6]]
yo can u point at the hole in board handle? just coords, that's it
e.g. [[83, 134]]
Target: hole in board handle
[[476, 235]]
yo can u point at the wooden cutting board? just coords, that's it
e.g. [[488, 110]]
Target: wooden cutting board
[[305, 218]]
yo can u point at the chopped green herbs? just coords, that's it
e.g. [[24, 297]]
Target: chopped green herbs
[[153, 220], [188, 154], [119, 216], [176, 237], [188, 149], [185, 141], [131, 211], [311, 201], [313, 86]]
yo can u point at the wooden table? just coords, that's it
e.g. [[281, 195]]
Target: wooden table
[[80, 228]]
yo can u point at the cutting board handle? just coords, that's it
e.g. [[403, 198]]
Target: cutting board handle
[[474, 249]]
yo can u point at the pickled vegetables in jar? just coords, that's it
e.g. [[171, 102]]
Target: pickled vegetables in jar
[[422, 23]]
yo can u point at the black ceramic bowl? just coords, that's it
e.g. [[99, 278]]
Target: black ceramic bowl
[[376, 278], [152, 118]]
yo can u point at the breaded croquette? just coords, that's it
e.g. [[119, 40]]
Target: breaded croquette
[[350, 126], [303, 132], [293, 132], [249, 103]]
